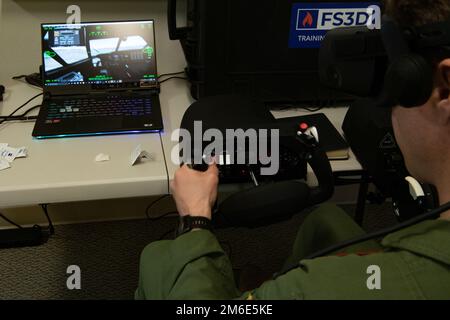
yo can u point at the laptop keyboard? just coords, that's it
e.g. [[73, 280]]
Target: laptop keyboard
[[105, 107]]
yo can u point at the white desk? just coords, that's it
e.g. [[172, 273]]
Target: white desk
[[63, 170]]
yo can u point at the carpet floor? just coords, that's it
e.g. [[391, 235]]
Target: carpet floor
[[108, 255]]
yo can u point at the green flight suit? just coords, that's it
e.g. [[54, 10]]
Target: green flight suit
[[414, 264]]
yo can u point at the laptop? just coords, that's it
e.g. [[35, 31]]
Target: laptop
[[99, 78]]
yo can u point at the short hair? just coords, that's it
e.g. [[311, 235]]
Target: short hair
[[416, 13]]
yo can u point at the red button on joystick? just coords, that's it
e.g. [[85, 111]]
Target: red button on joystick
[[304, 127]]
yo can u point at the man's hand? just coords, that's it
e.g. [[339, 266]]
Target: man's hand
[[195, 192]]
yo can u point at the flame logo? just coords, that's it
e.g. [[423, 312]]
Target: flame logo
[[308, 21]]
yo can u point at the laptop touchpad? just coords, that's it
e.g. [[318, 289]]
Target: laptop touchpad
[[100, 123]]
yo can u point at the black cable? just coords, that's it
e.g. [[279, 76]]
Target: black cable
[[18, 118], [182, 78], [162, 216], [22, 117], [311, 109], [10, 221], [151, 205], [19, 77], [23, 105], [31, 109], [33, 80], [434, 214], [17, 109], [51, 228], [290, 107], [170, 74], [148, 215]]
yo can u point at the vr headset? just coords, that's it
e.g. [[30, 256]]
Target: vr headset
[[392, 64]]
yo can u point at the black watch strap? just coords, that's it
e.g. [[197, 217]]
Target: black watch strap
[[189, 223]]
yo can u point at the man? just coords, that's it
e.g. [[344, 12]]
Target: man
[[413, 263]]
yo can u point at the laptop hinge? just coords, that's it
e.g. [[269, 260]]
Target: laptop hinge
[[49, 95], [145, 90], [100, 92], [150, 86], [155, 89]]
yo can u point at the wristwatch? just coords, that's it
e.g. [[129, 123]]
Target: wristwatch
[[189, 223]]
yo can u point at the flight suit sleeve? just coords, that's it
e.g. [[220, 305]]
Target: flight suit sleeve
[[194, 266], [373, 277]]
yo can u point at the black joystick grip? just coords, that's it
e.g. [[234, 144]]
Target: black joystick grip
[[199, 167]]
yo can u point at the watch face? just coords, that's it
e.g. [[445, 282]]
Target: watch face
[[184, 225]]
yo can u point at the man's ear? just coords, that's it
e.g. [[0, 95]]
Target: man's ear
[[444, 78], [443, 92]]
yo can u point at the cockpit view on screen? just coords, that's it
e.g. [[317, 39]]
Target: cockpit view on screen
[[99, 53]]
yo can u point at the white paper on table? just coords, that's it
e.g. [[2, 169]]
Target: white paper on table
[[4, 165], [9, 154], [139, 154], [3, 146], [102, 157], [22, 152]]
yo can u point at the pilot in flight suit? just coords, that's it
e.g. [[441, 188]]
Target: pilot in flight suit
[[414, 264]]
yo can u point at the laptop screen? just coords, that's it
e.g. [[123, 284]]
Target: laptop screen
[[110, 54]]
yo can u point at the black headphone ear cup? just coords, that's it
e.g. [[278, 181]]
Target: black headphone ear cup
[[431, 199], [408, 81], [263, 205]]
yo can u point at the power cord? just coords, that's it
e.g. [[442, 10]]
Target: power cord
[[148, 215], [151, 205], [292, 107], [22, 237], [11, 116], [172, 231], [165, 80], [33, 79], [44, 207], [171, 74], [10, 221], [51, 228], [22, 117]]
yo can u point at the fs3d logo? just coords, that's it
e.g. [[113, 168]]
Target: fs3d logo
[[311, 21]]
